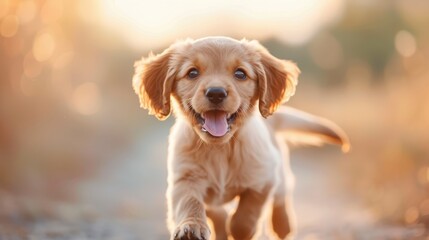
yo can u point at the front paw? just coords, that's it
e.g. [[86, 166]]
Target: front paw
[[192, 230]]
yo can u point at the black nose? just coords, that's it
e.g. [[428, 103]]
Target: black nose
[[216, 94]]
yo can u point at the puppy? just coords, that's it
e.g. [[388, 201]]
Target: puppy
[[221, 146]]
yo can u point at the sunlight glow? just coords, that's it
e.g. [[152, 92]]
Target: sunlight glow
[[149, 24], [405, 43]]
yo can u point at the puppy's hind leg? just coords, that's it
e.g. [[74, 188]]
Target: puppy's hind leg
[[218, 215], [283, 215], [243, 224], [283, 218]]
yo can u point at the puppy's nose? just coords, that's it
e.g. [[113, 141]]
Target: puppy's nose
[[216, 94]]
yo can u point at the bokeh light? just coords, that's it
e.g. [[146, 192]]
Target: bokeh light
[[405, 43], [27, 11], [9, 26], [4, 7], [51, 11], [86, 98], [411, 215], [326, 52], [44, 46]]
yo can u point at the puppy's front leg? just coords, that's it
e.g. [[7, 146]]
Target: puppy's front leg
[[186, 208]]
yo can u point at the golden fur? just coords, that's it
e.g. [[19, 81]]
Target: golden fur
[[250, 161]]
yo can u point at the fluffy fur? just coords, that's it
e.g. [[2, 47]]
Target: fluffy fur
[[250, 161]]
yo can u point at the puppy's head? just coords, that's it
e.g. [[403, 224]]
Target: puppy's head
[[215, 83]]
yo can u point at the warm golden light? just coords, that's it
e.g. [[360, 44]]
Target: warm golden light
[[150, 24]]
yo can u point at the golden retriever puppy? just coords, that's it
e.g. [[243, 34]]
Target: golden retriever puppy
[[221, 147]]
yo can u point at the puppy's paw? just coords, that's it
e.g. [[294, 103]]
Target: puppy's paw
[[192, 230]]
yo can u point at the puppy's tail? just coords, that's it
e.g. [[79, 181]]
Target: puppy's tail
[[299, 127]]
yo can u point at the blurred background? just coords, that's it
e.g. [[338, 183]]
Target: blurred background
[[80, 160]]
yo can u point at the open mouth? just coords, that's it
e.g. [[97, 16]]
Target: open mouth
[[217, 123]]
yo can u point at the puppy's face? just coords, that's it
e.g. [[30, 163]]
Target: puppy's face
[[216, 87], [215, 84]]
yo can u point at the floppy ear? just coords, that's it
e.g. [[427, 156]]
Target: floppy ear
[[153, 81], [277, 80]]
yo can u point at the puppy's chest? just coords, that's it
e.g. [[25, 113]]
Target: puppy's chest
[[230, 173], [224, 182]]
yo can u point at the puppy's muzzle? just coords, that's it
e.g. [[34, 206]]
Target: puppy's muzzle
[[216, 95]]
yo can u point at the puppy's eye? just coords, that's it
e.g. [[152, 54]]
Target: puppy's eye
[[193, 73], [240, 74]]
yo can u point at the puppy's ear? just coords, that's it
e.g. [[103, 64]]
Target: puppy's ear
[[277, 80], [153, 81]]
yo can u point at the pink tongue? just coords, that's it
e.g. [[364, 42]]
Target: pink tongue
[[215, 123]]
